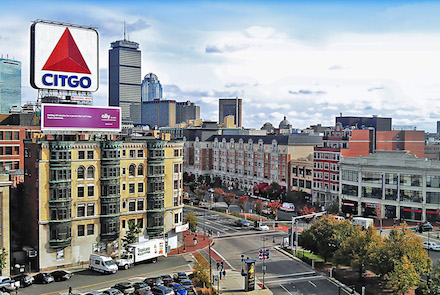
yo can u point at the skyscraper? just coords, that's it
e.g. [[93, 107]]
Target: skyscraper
[[228, 107], [187, 111], [125, 79], [151, 88], [10, 84]]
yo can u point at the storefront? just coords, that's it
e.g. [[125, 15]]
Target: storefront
[[390, 212], [432, 215], [408, 213], [369, 209], [349, 207]]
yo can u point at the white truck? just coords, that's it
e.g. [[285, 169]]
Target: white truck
[[102, 264], [148, 250], [362, 222]]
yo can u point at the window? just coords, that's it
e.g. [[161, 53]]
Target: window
[[8, 150], [16, 135], [131, 170], [140, 169], [90, 229], [123, 153], [176, 218], [123, 223], [433, 181], [16, 150], [123, 186], [8, 135], [132, 153], [81, 229], [123, 171], [81, 155], [131, 188], [140, 153], [80, 192], [90, 191], [81, 211], [89, 155], [176, 184], [140, 222], [80, 172], [90, 172], [90, 210], [140, 187], [140, 204], [132, 206], [176, 153]]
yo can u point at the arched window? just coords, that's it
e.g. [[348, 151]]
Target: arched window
[[131, 170], [90, 172], [141, 169], [80, 172]]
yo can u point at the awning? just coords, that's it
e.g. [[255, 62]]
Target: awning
[[412, 210], [432, 211]]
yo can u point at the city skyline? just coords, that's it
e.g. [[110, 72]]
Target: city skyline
[[308, 62]]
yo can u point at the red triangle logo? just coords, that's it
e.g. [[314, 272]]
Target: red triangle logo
[[66, 57]]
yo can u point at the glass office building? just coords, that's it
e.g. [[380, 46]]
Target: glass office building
[[10, 84], [151, 88]]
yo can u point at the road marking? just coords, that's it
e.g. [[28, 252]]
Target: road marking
[[337, 285], [115, 280], [285, 289], [296, 279], [313, 284], [292, 274]]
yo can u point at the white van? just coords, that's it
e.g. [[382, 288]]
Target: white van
[[102, 264]]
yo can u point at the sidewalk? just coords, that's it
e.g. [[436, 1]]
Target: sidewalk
[[234, 284]]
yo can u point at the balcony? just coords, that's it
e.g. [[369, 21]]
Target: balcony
[[60, 243]]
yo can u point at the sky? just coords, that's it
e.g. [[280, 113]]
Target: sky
[[306, 60]]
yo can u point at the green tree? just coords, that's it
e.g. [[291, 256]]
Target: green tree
[[3, 255], [401, 242], [404, 277], [229, 199], [326, 235], [200, 194], [132, 234], [258, 206], [356, 250], [191, 219]]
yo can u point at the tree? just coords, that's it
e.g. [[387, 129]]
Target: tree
[[378, 213], [218, 192], [356, 250], [132, 234], [305, 211], [3, 255], [191, 219], [274, 206], [241, 202], [404, 277], [325, 236], [258, 206], [229, 199], [401, 242], [274, 191], [200, 194]]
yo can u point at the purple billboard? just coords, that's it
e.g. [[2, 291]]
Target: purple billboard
[[57, 117]]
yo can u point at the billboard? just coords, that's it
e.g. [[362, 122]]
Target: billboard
[[64, 57], [61, 117]]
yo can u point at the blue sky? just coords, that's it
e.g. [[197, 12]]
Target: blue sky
[[307, 60]]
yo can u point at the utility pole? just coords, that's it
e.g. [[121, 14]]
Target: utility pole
[[210, 267], [296, 237], [264, 258]]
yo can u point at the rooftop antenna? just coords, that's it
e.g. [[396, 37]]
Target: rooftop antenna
[[125, 31]]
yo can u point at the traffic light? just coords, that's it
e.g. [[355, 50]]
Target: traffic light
[[267, 254], [260, 254]]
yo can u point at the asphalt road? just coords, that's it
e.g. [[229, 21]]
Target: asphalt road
[[87, 280]]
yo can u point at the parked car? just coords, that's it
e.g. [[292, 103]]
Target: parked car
[[162, 290], [61, 275], [112, 291], [425, 227], [178, 289], [43, 278], [187, 284], [124, 287], [177, 277], [262, 227], [95, 293], [166, 279], [242, 222], [141, 288], [8, 285], [24, 279], [154, 281], [431, 246]]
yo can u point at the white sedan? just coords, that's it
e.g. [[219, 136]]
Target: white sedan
[[262, 227], [431, 246]]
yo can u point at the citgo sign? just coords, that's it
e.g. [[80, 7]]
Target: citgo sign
[[64, 57]]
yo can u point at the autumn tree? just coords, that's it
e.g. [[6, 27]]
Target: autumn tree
[[191, 219], [401, 242], [241, 202], [305, 211], [258, 206], [356, 250], [229, 199], [404, 277], [274, 206], [200, 194], [433, 283], [218, 192], [325, 236], [3, 255]]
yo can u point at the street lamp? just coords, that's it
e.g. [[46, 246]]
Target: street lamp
[[184, 249], [264, 267], [242, 266]]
